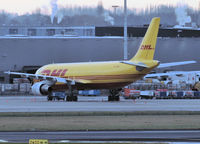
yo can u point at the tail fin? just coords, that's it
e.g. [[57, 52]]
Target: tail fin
[[147, 47]]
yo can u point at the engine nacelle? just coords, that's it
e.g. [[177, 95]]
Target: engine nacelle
[[40, 88], [197, 86]]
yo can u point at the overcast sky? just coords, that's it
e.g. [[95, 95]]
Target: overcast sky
[[27, 6]]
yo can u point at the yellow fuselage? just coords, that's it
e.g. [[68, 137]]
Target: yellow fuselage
[[95, 75]]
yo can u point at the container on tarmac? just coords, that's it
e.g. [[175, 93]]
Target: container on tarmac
[[89, 92], [189, 94], [24, 87], [172, 94], [131, 93], [156, 94], [163, 95], [147, 94], [180, 95], [197, 94], [58, 95]]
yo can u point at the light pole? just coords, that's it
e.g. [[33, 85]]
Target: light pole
[[125, 31], [115, 9]]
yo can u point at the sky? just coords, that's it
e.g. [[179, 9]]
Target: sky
[[28, 6]]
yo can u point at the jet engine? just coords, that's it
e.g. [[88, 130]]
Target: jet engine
[[41, 88], [197, 86]]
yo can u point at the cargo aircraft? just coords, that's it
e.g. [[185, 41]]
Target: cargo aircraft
[[112, 75]]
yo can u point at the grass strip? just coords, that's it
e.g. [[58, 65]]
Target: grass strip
[[85, 123]]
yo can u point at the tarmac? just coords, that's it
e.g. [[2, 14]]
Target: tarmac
[[94, 104], [99, 104]]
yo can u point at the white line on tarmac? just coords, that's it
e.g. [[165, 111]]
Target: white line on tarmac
[[71, 141], [3, 141], [124, 142]]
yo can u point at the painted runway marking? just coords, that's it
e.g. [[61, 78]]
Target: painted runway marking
[[3, 141], [71, 141]]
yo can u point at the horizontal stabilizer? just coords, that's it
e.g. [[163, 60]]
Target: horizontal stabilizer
[[163, 65], [134, 64]]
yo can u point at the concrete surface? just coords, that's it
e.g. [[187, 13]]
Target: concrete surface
[[87, 104]]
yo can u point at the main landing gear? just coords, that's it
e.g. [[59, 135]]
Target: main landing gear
[[114, 95], [50, 97], [72, 94]]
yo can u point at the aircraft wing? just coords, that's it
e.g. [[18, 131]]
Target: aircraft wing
[[50, 78], [163, 65], [157, 75]]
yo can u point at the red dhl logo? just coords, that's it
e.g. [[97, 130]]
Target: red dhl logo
[[55, 72], [146, 47]]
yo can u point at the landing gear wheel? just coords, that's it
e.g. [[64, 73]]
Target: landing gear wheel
[[113, 98], [74, 98], [110, 98], [114, 95], [69, 98], [71, 93], [116, 98], [49, 98]]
